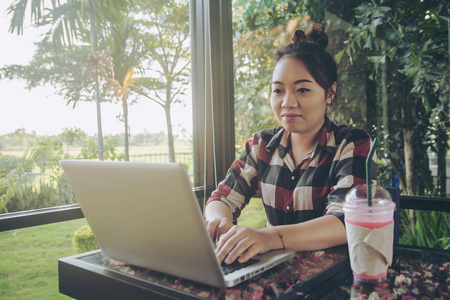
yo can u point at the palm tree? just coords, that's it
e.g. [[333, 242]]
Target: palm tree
[[120, 38], [65, 21]]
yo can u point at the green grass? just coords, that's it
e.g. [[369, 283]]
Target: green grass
[[134, 150], [29, 260], [253, 215]]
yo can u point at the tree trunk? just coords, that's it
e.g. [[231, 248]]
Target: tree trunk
[[93, 37], [442, 137], [384, 94], [170, 134], [409, 161], [167, 106], [441, 144], [409, 116], [409, 113], [127, 129]]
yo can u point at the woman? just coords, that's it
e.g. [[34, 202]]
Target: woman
[[301, 170]]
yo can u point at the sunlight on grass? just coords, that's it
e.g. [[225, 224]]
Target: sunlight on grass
[[253, 214], [29, 260]]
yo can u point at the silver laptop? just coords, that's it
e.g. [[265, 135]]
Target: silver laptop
[[147, 215]]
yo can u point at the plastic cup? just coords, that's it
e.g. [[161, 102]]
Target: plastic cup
[[369, 233]]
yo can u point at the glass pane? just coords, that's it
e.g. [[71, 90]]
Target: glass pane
[[48, 79], [261, 27], [258, 30], [29, 259]]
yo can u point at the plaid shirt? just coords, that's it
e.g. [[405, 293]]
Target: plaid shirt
[[293, 194]]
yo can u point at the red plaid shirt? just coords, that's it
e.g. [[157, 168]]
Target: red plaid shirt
[[293, 194]]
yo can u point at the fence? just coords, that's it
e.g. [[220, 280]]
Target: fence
[[46, 171], [184, 158]]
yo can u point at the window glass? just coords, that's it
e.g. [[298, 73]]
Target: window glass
[[258, 30], [261, 27], [52, 79]]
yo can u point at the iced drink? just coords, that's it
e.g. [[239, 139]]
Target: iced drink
[[370, 231]]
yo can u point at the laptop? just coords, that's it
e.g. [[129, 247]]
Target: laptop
[[146, 214]]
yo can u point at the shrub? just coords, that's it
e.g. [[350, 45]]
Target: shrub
[[84, 240], [429, 229]]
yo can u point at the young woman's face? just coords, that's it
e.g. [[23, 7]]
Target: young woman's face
[[297, 100]]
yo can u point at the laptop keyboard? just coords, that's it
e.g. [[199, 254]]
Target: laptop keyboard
[[234, 266]]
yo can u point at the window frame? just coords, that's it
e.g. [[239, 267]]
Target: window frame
[[213, 135]]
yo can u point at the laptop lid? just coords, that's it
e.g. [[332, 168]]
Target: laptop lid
[[147, 215]]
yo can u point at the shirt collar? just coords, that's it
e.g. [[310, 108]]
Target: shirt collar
[[282, 141]]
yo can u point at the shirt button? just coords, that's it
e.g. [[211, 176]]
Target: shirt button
[[293, 177], [288, 207]]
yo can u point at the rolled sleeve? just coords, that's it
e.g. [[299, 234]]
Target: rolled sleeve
[[241, 182]]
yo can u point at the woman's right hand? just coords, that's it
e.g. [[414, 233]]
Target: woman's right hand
[[218, 226]]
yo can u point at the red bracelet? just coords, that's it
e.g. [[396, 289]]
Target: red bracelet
[[281, 237]]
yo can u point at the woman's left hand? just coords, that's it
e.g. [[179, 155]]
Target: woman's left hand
[[243, 243]]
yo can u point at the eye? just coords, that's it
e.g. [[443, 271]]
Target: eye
[[276, 91], [303, 90]]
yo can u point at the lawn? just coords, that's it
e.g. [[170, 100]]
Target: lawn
[[253, 215], [29, 260], [134, 150]]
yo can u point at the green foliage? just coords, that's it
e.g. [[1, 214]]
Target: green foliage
[[148, 138], [36, 180], [133, 38], [84, 240], [259, 29], [23, 186], [90, 148], [425, 228], [16, 181], [410, 39], [18, 139], [72, 136]]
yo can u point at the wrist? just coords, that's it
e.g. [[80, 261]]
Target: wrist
[[276, 239], [280, 236]]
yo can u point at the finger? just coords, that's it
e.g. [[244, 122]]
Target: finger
[[222, 246], [211, 227], [239, 249], [232, 245], [251, 252]]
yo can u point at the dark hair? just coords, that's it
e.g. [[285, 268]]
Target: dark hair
[[310, 49]]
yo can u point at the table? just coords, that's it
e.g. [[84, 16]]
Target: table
[[93, 276], [416, 273], [309, 275]]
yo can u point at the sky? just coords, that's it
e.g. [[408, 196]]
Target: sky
[[43, 111]]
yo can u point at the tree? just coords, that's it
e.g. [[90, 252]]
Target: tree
[[418, 65], [164, 28], [71, 136], [66, 20], [120, 38], [259, 30], [68, 70], [404, 49]]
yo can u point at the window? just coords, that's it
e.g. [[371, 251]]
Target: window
[[138, 67]]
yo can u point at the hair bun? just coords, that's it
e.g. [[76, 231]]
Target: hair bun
[[299, 36], [315, 33]]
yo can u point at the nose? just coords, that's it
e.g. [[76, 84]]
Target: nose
[[289, 100]]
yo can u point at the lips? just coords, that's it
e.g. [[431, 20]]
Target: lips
[[290, 117]]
